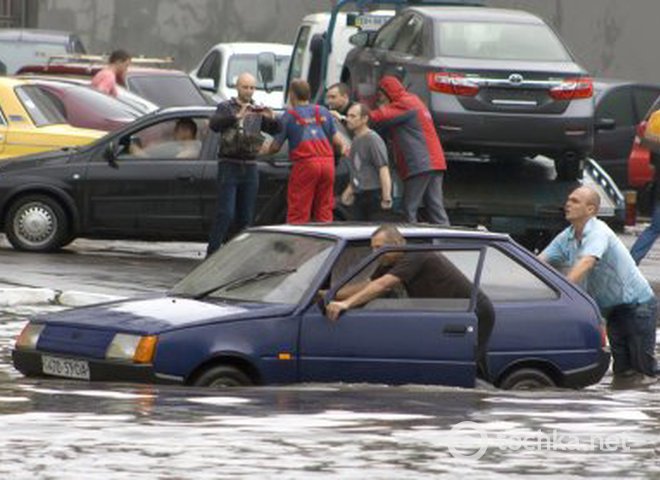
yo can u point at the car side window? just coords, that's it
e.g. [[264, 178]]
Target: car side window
[[409, 39], [445, 283], [388, 33], [644, 98], [172, 139], [211, 68], [617, 105], [505, 279]]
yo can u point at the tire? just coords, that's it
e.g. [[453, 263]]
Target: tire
[[527, 379], [569, 169], [37, 223], [223, 376]]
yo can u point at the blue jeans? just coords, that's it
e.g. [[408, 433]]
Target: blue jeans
[[631, 333], [648, 237], [238, 185]]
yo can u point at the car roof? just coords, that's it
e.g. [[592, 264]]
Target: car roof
[[255, 47], [12, 82], [363, 231], [89, 69], [34, 35], [472, 14]]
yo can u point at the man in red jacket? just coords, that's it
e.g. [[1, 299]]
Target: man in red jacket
[[419, 156]]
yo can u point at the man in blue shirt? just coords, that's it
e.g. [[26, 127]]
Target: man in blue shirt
[[601, 264]]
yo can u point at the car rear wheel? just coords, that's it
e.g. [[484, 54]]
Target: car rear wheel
[[527, 379], [223, 376], [37, 223]]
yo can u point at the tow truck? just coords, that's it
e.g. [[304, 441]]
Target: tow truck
[[522, 198]]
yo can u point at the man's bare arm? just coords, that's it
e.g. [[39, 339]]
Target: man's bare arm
[[373, 289], [350, 289], [581, 268]]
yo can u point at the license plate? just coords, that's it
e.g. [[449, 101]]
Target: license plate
[[65, 367]]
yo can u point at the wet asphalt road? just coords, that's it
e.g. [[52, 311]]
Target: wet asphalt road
[[60, 429]]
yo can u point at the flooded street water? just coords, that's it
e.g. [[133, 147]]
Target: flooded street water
[[64, 429]]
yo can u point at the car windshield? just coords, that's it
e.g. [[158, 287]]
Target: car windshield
[[168, 90], [39, 106], [500, 41], [248, 63], [265, 267]]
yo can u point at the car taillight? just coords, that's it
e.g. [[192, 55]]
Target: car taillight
[[452, 83], [573, 88], [603, 335]]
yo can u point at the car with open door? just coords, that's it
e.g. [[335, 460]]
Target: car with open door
[[253, 314]]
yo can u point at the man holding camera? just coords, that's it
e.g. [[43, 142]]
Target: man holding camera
[[240, 123]]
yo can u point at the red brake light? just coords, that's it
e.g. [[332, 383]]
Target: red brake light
[[573, 88], [452, 84]]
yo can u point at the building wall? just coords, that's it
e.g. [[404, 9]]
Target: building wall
[[184, 29], [613, 38]]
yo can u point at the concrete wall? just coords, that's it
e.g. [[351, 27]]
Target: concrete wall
[[611, 38], [185, 29], [614, 38]]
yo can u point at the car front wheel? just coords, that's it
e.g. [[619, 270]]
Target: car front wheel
[[37, 223], [223, 376], [527, 379]]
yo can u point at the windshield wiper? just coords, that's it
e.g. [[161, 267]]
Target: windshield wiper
[[253, 277]]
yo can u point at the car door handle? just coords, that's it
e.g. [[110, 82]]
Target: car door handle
[[455, 330], [186, 177]]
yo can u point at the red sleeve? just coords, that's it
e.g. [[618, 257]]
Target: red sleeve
[[389, 115]]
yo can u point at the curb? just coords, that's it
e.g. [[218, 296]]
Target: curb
[[21, 296]]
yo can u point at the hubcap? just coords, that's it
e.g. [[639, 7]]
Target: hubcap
[[35, 224]]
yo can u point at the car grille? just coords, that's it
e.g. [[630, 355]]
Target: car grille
[[77, 341]]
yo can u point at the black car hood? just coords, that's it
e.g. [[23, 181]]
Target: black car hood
[[156, 315], [57, 157]]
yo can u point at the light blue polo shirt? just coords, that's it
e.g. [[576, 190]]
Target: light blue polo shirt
[[615, 279]]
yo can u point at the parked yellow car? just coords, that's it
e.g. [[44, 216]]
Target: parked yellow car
[[31, 122]]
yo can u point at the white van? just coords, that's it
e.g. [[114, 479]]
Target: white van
[[308, 48], [220, 67]]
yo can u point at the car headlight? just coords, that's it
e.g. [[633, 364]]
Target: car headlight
[[133, 348], [30, 336]]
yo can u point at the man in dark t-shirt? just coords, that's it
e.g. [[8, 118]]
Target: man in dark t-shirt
[[423, 274]]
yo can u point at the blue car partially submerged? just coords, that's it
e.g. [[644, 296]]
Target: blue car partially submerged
[[253, 314]]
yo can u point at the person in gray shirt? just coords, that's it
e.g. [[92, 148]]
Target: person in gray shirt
[[369, 190]]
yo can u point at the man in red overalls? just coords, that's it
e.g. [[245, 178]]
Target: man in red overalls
[[311, 134]]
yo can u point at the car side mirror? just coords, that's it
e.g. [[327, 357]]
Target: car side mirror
[[110, 155], [360, 39], [206, 84], [605, 124], [266, 67]]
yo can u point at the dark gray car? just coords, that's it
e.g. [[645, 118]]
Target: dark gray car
[[497, 81]]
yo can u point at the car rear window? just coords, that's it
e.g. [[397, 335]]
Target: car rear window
[[92, 101], [39, 106], [167, 91], [500, 41]]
